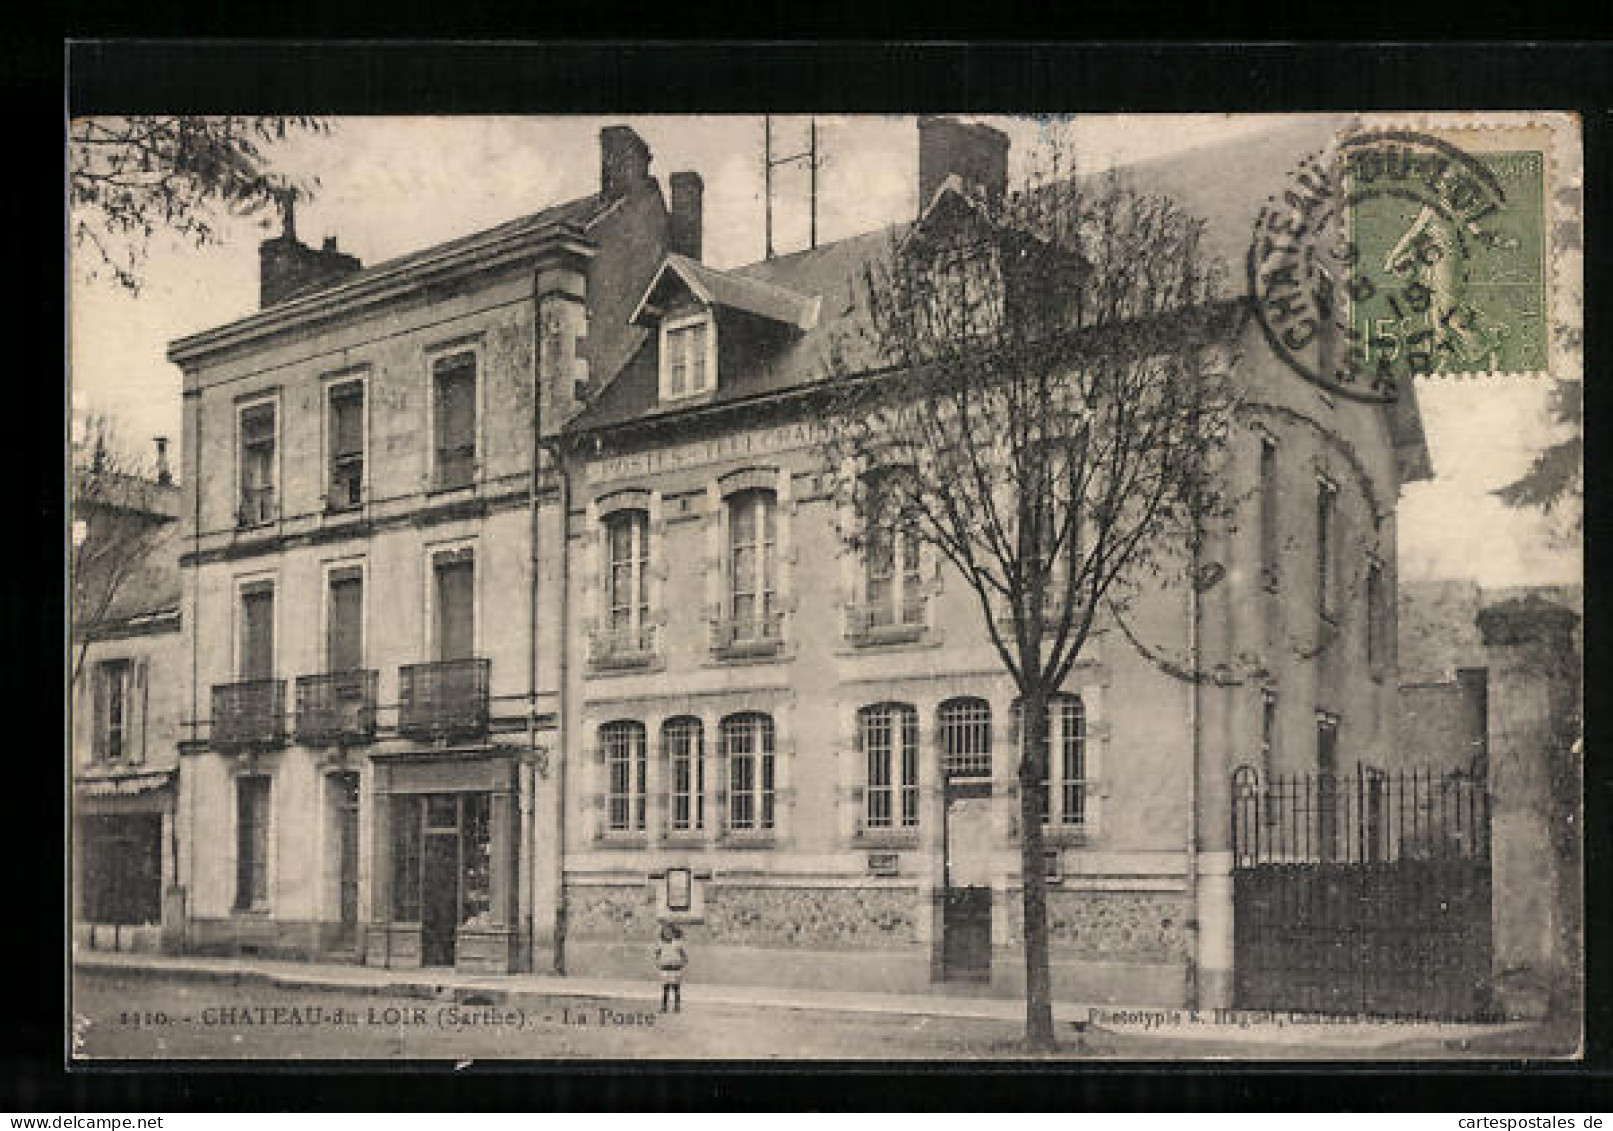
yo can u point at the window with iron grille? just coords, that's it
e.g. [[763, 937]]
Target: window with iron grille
[[684, 743], [747, 747], [890, 748], [454, 419], [965, 730], [625, 758], [251, 841], [627, 578], [1062, 794], [752, 570], [346, 446], [256, 424]]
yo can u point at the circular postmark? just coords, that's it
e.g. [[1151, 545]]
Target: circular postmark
[[1361, 272]]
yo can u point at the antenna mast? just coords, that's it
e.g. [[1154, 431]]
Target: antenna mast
[[769, 163]]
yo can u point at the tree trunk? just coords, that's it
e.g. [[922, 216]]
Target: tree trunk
[[1033, 870]]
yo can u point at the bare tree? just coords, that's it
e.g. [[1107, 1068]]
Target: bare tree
[[130, 177], [116, 522], [1041, 383]]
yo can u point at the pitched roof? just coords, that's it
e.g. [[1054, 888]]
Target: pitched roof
[[153, 587], [734, 291]]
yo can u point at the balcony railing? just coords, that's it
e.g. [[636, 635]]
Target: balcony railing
[[625, 647], [884, 623], [336, 707], [732, 639], [445, 699], [249, 714]]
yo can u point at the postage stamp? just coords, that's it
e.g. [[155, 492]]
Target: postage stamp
[[826, 587]]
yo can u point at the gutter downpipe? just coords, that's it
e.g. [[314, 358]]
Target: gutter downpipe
[[564, 729], [528, 786], [1195, 929]]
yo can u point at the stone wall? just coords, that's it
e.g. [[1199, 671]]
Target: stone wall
[[834, 918], [1112, 926]]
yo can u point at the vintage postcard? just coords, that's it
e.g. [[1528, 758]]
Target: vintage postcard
[[907, 587]]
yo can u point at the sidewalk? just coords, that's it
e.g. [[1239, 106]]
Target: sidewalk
[[1345, 1034]]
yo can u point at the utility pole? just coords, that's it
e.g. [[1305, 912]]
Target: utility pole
[[769, 163]]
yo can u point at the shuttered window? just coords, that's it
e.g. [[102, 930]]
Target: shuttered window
[[345, 627], [257, 439], [454, 387], [257, 632], [456, 610], [346, 445]]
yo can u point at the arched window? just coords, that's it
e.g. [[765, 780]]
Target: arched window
[[625, 757], [747, 746], [627, 578], [895, 592], [889, 733], [684, 745], [752, 568], [965, 729]]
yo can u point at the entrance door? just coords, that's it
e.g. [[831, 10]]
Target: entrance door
[[966, 908], [346, 786], [439, 898]]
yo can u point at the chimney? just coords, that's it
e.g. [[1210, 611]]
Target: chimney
[[288, 266], [164, 475], [685, 223], [976, 154], [624, 161]]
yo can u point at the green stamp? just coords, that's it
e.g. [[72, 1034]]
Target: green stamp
[[1469, 291], [1398, 255]]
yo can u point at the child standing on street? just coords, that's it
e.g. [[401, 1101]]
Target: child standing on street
[[670, 959]]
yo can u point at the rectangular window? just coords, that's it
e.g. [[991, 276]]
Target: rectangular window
[[895, 590], [686, 363], [346, 446], [257, 631], [454, 416], [685, 754], [1268, 512], [1377, 620], [1268, 732], [890, 743], [751, 567], [748, 747], [476, 858], [625, 764], [456, 606], [251, 842], [344, 643], [1069, 719], [256, 424], [627, 582], [1326, 535], [111, 691]]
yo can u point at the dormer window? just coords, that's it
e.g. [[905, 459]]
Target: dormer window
[[688, 356]]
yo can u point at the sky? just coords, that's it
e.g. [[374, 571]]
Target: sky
[[387, 186]]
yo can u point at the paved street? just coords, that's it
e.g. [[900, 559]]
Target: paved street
[[141, 1014]]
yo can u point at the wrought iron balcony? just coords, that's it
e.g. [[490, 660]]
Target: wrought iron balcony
[[249, 714], [625, 647], [884, 623], [445, 699], [336, 707], [733, 639]]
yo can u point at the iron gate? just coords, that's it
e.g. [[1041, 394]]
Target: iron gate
[[1362, 893]]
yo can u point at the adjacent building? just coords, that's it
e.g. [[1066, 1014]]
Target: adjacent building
[[522, 616]]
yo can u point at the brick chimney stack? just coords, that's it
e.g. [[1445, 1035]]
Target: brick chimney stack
[[287, 266], [976, 154], [624, 161], [686, 223]]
